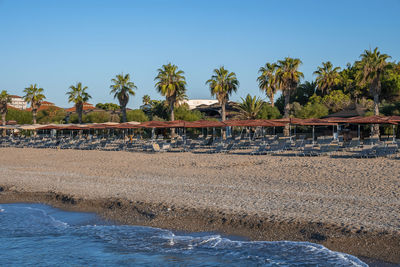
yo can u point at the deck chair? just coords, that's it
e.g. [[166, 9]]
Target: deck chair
[[156, 148]]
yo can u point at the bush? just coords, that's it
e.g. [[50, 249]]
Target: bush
[[336, 100], [20, 116], [183, 113], [268, 112], [136, 115], [96, 117], [108, 106], [390, 109], [159, 109], [313, 110], [51, 115], [73, 118]]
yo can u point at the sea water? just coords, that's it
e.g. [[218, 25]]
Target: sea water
[[39, 235]]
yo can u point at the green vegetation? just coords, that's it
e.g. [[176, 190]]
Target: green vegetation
[[4, 100], [171, 83], [222, 84], [51, 115], [267, 81], [372, 82], [268, 112], [97, 117], [327, 77], [313, 109], [20, 116], [183, 113], [34, 96], [78, 95], [122, 87], [136, 115], [108, 106], [146, 99], [250, 107], [336, 101]]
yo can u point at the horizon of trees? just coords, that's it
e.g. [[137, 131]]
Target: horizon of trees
[[372, 82]]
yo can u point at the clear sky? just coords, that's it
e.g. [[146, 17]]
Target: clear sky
[[58, 43]]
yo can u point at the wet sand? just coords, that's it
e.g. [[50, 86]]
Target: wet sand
[[348, 205]]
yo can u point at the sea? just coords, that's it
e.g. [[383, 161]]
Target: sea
[[40, 235]]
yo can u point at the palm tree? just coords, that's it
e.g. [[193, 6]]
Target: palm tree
[[171, 83], [222, 84], [370, 69], [78, 96], [288, 77], [34, 96], [5, 98], [121, 89], [146, 99], [267, 81], [327, 77], [181, 97], [250, 107]]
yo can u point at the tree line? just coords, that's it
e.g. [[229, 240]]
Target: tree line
[[370, 81]]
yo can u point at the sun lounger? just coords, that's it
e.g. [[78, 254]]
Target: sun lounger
[[261, 150], [156, 148], [309, 151]]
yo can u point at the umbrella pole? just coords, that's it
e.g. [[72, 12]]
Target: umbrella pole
[[372, 131], [394, 138], [359, 131], [184, 135], [313, 134]]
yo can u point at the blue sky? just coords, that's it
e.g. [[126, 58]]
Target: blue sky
[[58, 43]]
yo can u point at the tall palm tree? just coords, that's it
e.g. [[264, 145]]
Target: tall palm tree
[[288, 77], [222, 84], [121, 89], [34, 96], [267, 80], [170, 83], [5, 99], [250, 107], [78, 95], [370, 69], [146, 99], [327, 77]]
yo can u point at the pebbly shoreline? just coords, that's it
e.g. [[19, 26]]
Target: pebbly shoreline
[[348, 205]]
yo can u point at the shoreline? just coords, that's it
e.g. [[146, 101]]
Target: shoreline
[[374, 248], [347, 205]]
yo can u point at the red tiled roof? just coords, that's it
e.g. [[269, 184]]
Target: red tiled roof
[[15, 96], [45, 105], [86, 106]]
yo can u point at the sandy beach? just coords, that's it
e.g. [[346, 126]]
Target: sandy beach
[[348, 205]]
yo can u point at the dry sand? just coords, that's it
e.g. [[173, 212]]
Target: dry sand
[[352, 205]]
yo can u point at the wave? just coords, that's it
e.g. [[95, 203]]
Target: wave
[[73, 233]]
